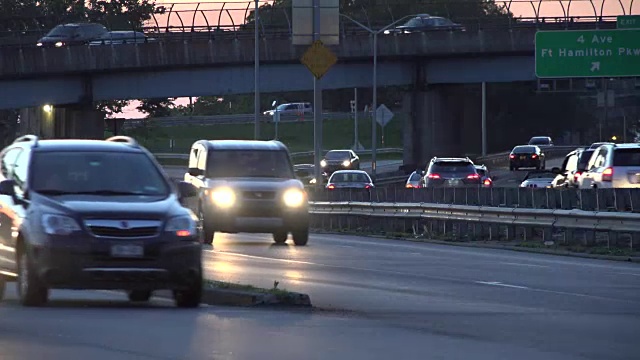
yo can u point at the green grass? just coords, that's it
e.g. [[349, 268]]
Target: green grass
[[298, 136]]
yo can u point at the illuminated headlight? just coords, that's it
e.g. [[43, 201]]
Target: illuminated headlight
[[312, 181], [293, 198], [183, 226], [223, 197], [323, 163], [59, 44], [387, 32], [59, 224], [39, 44], [346, 163]]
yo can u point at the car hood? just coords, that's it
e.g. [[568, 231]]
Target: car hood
[[114, 207], [255, 184]]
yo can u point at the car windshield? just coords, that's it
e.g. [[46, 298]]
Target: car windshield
[[249, 163], [338, 155], [415, 177], [281, 107], [102, 173], [584, 159], [524, 150], [626, 157], [539, 141], [350, 177], [63, 31], [452, 167]]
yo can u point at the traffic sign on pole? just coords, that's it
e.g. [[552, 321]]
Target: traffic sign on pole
[[628, 22], [587, 53], [318, 59], [383, 115]]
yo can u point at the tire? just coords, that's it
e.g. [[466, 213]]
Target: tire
[[31, 291], [206, 231], [280, 237], [301, 237], [139, 295], [189, 298]]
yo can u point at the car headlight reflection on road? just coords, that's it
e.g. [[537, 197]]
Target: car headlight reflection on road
[[346, 163], [323, 163], [293, 197], [223, 197]]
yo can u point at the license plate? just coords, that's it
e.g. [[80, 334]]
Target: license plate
[[127, 251], [522, 157], [454, 182]]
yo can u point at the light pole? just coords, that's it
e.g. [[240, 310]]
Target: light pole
[[374, 106], [256, 74]]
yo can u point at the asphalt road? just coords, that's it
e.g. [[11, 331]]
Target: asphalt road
[[556, 307]]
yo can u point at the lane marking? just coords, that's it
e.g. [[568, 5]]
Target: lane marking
[[497, 283], [526, 265], [626, 273]]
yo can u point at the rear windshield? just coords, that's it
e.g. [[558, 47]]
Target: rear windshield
[[338, 155], [626, 157], [350, 177], [249, 163], [539, 141], [524, 150], [584, 159], [452, 167], [414, 177]]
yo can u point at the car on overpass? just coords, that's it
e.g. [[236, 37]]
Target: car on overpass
[[72, 34], [121, 38], [91, 214], [247, 187], [423, 23]]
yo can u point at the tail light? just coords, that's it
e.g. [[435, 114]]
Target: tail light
[[512, 156], [409, 186], [576, 176], [433, 176], [607, 174], [331, 186], [368, 186], [473, 177], [487, 182], [534, 156]]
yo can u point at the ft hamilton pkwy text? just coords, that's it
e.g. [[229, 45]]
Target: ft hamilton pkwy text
[[596, 46]]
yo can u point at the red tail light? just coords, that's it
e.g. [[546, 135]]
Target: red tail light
[[487, 182], [576, 175], [409, 186], [512, 156], [607, 174], [368, 186], [433, 176], [534, 156], [331, 186], [473, 177]]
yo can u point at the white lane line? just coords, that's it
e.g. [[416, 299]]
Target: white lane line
[[526, 265], [497, 283], [626, 273]]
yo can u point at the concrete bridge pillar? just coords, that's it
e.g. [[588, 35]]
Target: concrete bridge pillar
[[69, 121]]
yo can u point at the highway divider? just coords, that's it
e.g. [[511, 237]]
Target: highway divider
[[568, 227]]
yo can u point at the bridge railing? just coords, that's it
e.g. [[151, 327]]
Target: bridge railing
[[459, 222], [620, 200]]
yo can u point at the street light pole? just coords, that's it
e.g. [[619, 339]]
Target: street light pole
[[374, 106], [256, 73]]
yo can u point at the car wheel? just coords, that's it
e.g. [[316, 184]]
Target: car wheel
[[31, 291], [280, 237], [139, 295], [204, 228], [301, 237], [191, 297]]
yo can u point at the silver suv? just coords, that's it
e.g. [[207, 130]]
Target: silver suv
[[612, 166]]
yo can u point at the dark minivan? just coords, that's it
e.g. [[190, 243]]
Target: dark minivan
[[92, 214]]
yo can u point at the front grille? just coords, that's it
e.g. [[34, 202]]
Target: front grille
[[259, 211], [123, 233], [259, 195]]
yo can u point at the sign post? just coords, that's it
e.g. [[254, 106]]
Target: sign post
[[587, 53], [383, 116], [316, 22]]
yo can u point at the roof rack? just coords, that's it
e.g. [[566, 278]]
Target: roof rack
[[27, 138], [124, 139]]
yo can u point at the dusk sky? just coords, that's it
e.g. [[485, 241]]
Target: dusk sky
[[238, 8]]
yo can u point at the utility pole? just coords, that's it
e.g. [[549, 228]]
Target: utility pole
[[256, 72]]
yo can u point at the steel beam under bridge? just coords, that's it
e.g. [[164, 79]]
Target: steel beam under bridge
[[238, 79]]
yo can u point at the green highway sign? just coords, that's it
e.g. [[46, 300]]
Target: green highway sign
[[628, 22], [587, 53]]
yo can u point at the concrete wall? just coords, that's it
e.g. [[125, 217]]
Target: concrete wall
[[62, 122]]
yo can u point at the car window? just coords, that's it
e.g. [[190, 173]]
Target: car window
[[8, 160], [452, 167], [20, 170], [63, 31], [539, 141], [415, 22], [572, 164], [249, 163], [415, 177], [626, 157], [88, 171], [524, 150], [338, 155], [350, 177], [585, 156], [601, 158], [480, 172]]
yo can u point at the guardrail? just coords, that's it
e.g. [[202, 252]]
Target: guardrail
[[478, 222], [605, 200], [502, 159], [294, 155], [229, 119]]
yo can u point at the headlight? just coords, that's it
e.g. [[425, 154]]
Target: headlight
[[346, 163], [293, 198], [39, 44], [182, 226], [323, 163], [59, 224], [312, 181], [59, 44], [223, 197]]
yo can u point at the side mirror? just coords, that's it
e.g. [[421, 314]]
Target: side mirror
[[186, 190], [555, 170], [195, 172], [7, 187]]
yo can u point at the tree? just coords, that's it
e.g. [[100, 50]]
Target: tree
[[157, 107]]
